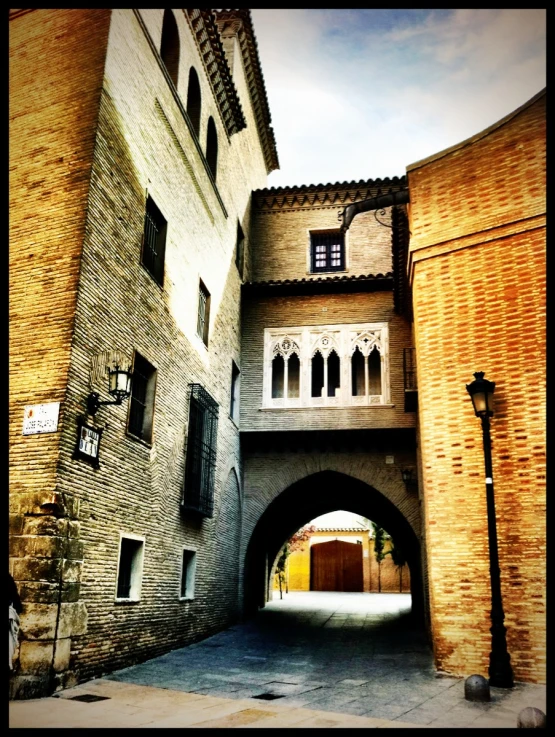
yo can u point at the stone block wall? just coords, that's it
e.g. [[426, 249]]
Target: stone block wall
[[478, 280]]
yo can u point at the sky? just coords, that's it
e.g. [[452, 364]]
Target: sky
[[362, 94]]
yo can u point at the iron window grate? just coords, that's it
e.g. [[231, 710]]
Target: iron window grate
[[200, 467]]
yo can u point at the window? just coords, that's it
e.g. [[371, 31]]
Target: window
[[154, 241], [201, 452], [327, 251], [326, 366], [203, 317], [240, 249], [188, 570], [141, 406], [212, 146], [235, 383], [130, 568], [193, 100], [169, 48]]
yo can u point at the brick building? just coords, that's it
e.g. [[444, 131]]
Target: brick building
[[272, 354]]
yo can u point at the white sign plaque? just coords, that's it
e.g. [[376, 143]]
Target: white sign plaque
[[39, 418]]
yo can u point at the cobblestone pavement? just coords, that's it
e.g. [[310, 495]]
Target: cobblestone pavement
[[313, 659]]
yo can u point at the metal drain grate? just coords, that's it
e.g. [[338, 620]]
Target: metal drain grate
[[268, 696], [88, 697]]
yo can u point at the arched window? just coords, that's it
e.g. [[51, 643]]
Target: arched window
[[317, 364], [212, 146], [278, 376], [357, 371], [334, 374], [193, 100], [293, 376], [374, 372], [169, 48]]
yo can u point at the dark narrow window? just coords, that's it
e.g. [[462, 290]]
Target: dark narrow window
[[334, 374], [193, 100], [234, 405], [169, 48], [327, 251], [129, 568], [317, 364], [154, 241], [201, 452], [212, 147], [293, 376], [203, 319], [239, 249], [141, 406], [278, 375], [374, 372], [357, 373]]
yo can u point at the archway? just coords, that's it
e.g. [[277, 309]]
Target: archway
[[312, 496]]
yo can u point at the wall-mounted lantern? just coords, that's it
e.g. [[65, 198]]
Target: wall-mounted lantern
[[119, 387]]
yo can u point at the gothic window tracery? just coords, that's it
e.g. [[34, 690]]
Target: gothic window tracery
[[326, 366]]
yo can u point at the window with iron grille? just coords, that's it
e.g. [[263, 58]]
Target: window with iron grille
[[200, 466], [203, 319], [327, 251], [154, 241], [141, 405]]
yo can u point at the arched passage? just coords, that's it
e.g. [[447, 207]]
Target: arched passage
[[311, 497]]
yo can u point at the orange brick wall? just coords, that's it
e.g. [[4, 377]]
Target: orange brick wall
[[478, 260], [51, 150]]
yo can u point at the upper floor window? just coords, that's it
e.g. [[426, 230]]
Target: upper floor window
[[326, 366], [327, 251], [240, 249], [141, 405], [193, 100], [235, 385], [212, 146], [198, 494], [203, 315], [169, 48], [154, 241]]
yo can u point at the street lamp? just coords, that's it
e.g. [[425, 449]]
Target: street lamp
[[500, 671], [119, 387]]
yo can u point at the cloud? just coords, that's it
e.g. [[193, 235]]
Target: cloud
[[358, 94]]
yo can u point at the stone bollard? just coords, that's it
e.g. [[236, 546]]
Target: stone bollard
[[476, 688], [531, 717]]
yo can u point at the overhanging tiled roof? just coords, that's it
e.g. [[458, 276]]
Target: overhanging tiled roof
[[241, 21], [320, 285], [207, 36], [339, 194]]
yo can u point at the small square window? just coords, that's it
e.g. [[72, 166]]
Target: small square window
[[203, 320], [130, 568], [188, 571], [235, 385], [154, 241], [141, 406], [327, 251]]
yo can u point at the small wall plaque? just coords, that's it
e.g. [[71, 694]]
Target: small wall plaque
[[38, 418], [390, 459], [88, 443]]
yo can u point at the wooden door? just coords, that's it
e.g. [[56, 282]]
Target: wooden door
[[336, 566]]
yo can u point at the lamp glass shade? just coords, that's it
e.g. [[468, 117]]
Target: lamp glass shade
[[481, 392], [119, 382]]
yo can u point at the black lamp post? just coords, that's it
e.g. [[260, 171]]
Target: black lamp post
[[500, 671], [119, 387]]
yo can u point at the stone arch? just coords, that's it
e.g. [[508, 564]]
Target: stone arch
[[295, 499], [169, 47]]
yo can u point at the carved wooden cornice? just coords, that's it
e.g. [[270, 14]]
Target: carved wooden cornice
[[207, 37], [312, 196], [239, 23]]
